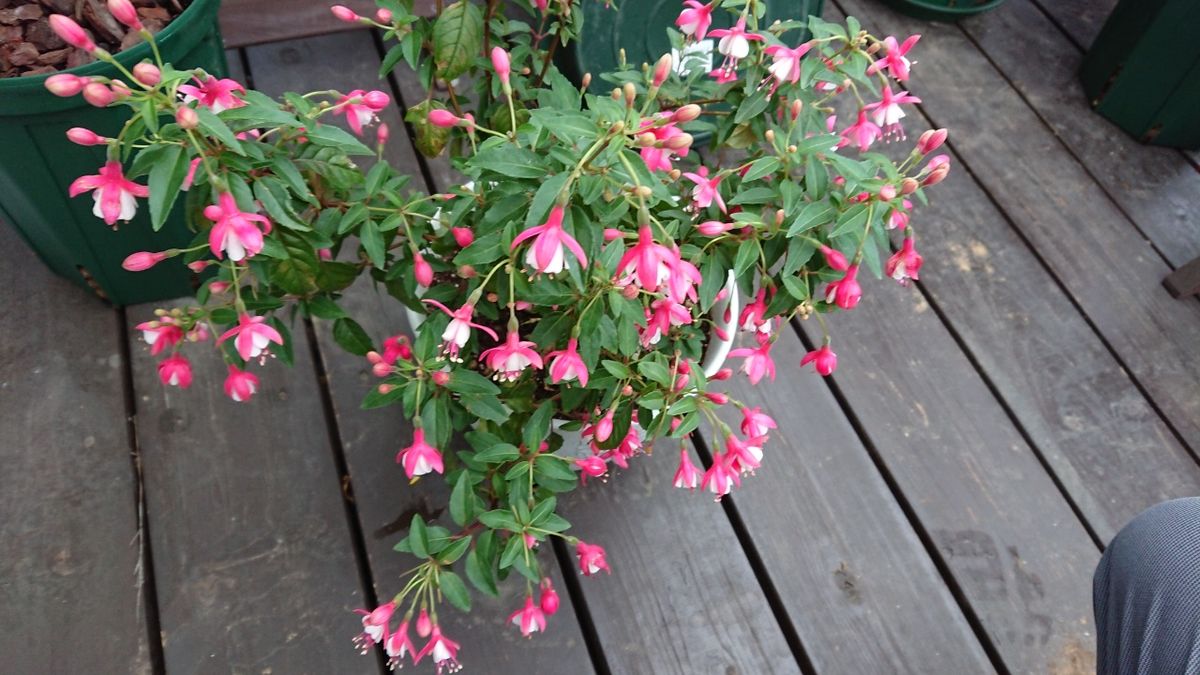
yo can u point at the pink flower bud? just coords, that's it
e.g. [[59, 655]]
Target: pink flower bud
[[463, 236], [325, 254], [186, 118], [938, 161], [424, 625], [443, 118], [931, 140], [549, 599], [383, 15], [467, 271], [612, 234], [71, 32], [887, 193], [722, 374], [98, 94], [219, 286], [376, 100], [835, 259], [119, 89], [381, 369], [423, 270], [717, 397], [81, 136], [382, 133], [662, 70], [908, 186], [937, 175], [501, 64], [344, 13], [198, 266], [65, 84], [142, 260], [123, 11], [147, 73], [712, 228], [686, 113], [441, 378], [385, 388]]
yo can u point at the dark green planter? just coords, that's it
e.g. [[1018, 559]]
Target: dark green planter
[[944, 10], [38, 163], [1143, 71], [639, 27]]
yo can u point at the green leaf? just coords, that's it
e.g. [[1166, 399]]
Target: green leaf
[[481, 574], [375, 177], [418, 537], [166, 177], [752, 107], [514, 549], [461, 500], [656, 372], [455, 550], [213, 126], [500, 519], [812, 215], [617, 369], [538, 426], [464, 381], [852, 221], [454, 590], [325, 308], [542, 510], [755, 195], [351, 336], [510, 161], [287, 171], [747, 255], [333, 137], [372, 242], [544, 198], [498, 454], [761, 167], [487, 407], [457, 37]]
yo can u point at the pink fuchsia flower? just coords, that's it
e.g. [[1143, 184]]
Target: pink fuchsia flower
[[694, 21], [646, 261], [530, 618], [862, 133], [720, 478], [420, 458], [683, 278], [395, 348], [71, 32], [936, 170], [687, 475], [511, 357], [743, 456], [659, 155], [591, 558], [706, 191], [175, 371], [360, 108], [887, 113], [160, 335], [547, 255], [786, 65], [234, 232], [114, 195], [756, 423], [253, 336], [567, 364], [835, 259], [894, 59], [442, 650], [758, 360], [397, 646], [424, 624], [905, 264], [898, 218], [445, 119], [549, 599], [734, 44], [602, 429], [422, 270], [98, 94], [240, 385], [594, 466], [723, 76], [142, 260], [212, 93], [663, 314], [754, 314], [823, 359], [458, 331], [845, 292], [375, 626]]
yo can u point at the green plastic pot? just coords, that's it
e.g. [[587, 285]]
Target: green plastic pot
[[38, 163], [640, 28], [944, 10], [1143, 71]]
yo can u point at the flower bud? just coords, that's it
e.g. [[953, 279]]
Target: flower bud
[[344, 13], [712, 228], [218, 286], [71, 32], [382, 132], [646, 139], [616, 94], [629, 292], [81, 136], [549, 599], [931, 140], [142, 260], [674, 174], [686, 113], [443, 118], [123, 11], [186, 118], [376, 100], [502, 65], [587, 80], [662, 70], [423, 270], [119, 89], [440, 378], [908, 186], [717, 397], [612, 234], [467, 271], [463, 236], [630, 93], [385, 388], [722, 374], [643, 191], [199, 266], [770, 136], [874, 48], [835, 259], [383, 15], [797, 106], [65, 84], [147, 73], [683, 140], [937, 175], [98, 94], [887, 193]]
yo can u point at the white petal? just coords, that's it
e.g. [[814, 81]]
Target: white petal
[[96, 210], [128, 205]]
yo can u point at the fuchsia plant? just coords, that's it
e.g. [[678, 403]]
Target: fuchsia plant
[[568, 288]]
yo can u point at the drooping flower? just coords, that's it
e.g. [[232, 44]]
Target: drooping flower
[[862, 133], [743, 456], [706, 191], [720, 478], [175, 371], [905, 264], [424, 624], [234, 232], [254, 336], [756, 423], [375, 626], [591, 558], [547, 255], [594, 466], [664, 313], [212, 93], [114, 195], [442, 650], [694, 21], [240, 385], [894, 59], [567, 364], [734, 44], [530, 618], [786, 65], [549, 599], [420, 458], [898, 218], [886, 112], [754, 314], [687, 475], [758, 360], [845, 292], [458, 331], [511, 357], [160, 335], [683, 279], [601, 430], [646, 261], [823, 359], [397, 646], [361, 108], [396, 348]]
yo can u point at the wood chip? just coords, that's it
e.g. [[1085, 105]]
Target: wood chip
[[28, 12], [24, 54]]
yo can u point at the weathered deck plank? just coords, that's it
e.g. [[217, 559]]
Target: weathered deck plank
[[251, 22], [70, 590], [847, 564], [384, 500]]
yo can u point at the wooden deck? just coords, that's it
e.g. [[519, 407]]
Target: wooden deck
[[938, 506]]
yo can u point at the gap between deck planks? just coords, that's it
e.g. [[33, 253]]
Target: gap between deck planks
[[72, 594]]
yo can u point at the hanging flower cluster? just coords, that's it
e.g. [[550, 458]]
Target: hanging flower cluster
[[570, 298]]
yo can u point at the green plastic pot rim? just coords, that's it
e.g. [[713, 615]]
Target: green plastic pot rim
[[179, 37], [950, 11]]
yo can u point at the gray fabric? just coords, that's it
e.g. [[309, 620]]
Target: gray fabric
[[1146, 594]]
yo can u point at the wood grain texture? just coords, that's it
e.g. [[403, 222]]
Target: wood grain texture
[[253, 562], [1086, 242], [1082, 19], [1184, 281], [1155, 186], [69, 574], [251, 22], [846, 562], [384, 500]]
